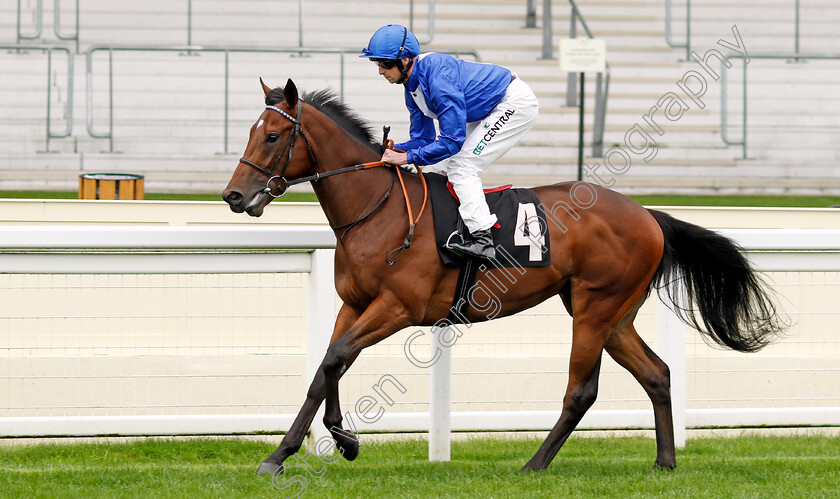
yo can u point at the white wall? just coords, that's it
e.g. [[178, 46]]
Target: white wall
[[218, 344]]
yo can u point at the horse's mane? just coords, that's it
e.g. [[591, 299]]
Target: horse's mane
[[329, 103]]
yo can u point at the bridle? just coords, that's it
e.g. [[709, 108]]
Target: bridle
[[282, 183]]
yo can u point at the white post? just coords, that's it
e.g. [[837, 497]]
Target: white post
[[670, 340], [320, 318], [440, 419]]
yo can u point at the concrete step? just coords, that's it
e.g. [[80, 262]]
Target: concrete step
[[567, 154], [167, 22], [639, 179], [760, 12], [169, 109]]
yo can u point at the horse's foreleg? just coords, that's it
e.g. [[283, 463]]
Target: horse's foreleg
[[340, 357], [581, 392], [631, 352], [381, 319], [314, 397]]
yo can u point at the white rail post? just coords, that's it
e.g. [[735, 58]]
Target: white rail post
[[440, 419], [320, 321], [670, 341]]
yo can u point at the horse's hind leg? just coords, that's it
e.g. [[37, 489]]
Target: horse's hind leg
[[584, 367], [597, 310], [631, 352]]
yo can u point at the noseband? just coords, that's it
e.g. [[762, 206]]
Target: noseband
[[282, 183]]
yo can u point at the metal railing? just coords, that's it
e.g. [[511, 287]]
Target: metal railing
[[430, 35], [38, 16], [724, 92], [602, 87], [183, 49], [39, 23], [797, 56], [668, 36], [198, 49], [49, 49], [57, 25], [531, 14], [687, 44], [38, 19]]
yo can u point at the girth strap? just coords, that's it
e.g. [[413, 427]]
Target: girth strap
[[460, 301]]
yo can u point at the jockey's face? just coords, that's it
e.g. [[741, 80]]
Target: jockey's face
[[393, 74]]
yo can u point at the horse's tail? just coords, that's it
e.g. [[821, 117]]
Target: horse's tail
[[710, 275]]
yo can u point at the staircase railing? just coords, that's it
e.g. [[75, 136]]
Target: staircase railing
[[430, 30], [602, 87], [687, 44], [39, 22], [38, 19], [110, 49], [668, 33], [57, 25], [724, 132], [49, 49]]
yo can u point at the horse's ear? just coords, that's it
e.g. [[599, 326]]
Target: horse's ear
[[265, 87], [290, 93]]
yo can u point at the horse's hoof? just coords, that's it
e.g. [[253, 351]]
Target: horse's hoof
[[349, 448], [664, 466], [529, 467], [347, 444], [269, 468]]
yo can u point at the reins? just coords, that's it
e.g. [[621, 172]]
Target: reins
[[283, 184], [411, 221], [317, 176], [373, 210]]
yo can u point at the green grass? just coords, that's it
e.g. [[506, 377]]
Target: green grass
[[648, 200], [155, 196], [753, 201], [802, 466]]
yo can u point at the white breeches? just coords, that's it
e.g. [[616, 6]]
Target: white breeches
[[488, 140]]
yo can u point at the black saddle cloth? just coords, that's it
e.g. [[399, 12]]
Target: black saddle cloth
[[520, 236]]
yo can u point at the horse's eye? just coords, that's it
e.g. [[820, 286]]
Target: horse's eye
[[272, 137]]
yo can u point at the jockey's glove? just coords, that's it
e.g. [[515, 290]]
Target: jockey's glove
[[410, 168]]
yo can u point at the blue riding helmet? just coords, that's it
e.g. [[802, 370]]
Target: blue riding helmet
[[392, 42]]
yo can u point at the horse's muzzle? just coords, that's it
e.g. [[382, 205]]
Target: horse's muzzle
[[239, 203], [235, 200], [258, 203]]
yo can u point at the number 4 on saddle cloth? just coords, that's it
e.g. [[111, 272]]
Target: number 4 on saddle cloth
[[520, 235]]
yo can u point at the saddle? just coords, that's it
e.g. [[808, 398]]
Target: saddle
[[520, 235]]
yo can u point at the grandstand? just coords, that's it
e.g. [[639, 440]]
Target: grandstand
[[177, 119]]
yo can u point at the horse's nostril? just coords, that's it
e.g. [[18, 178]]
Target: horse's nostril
[[232, 197], [235, 201]]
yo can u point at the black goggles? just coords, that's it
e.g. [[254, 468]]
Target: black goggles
[[385, 63]]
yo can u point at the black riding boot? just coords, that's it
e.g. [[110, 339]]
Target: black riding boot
[[481, 245]]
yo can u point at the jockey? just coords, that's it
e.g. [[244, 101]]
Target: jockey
[[482, 111]]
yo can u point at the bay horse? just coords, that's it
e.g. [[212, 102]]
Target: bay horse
[[605, 259]]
